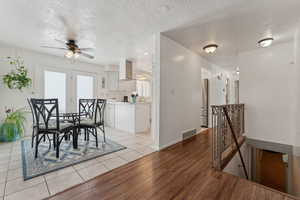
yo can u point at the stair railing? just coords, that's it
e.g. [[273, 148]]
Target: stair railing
[[228, 129]]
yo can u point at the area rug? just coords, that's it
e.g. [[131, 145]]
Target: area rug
[[47, 161]]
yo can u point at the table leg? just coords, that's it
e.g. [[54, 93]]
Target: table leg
[[75, 138]]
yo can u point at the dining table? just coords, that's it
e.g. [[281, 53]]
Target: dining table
[[74, 118]]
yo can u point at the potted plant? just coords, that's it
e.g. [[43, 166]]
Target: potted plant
[[13, 126], [18, 78]]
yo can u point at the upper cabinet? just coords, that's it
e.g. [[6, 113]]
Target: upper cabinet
[[112, 80], [125, 70]]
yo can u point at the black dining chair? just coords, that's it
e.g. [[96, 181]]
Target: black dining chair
[[33, 122], [48, 122], [86, 114], [94, 121]]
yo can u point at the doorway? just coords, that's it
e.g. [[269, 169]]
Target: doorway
[[205, 103]]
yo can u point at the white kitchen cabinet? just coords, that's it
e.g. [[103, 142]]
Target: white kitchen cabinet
[[110, 115], [112, 80], [132, 118], [125, 117], [125, 70]]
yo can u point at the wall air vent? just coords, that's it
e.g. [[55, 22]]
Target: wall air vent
[[189, 133]]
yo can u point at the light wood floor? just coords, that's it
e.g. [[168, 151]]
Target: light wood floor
[[182, 171]]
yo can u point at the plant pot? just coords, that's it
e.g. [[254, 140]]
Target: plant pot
[[9, 132]]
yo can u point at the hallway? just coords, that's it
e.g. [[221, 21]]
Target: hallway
[[182, 171]]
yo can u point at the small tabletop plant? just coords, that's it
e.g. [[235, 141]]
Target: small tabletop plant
[[13, 126], [18, 78]]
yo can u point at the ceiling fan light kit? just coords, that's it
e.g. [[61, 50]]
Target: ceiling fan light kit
[[211, 48], [69, 54]]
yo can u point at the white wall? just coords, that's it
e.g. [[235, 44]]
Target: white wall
[[180, 91], [296, 99], [155, 108], [269, 88], [217, 87]]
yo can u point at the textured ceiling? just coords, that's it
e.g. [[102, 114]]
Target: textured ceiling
[[116, 28], [124, 28], [239, 27]]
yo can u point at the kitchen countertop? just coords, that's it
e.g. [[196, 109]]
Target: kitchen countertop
[[126, 103]]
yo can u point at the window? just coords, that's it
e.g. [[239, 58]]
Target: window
[[55, 87], [143, 88], [85, 87]]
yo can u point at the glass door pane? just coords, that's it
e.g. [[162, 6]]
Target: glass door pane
[[55, 87], [85, 87]]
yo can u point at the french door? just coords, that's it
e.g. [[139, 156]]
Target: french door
[[85, 87], [68, 87]]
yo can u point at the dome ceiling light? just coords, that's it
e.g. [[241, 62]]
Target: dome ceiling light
[[265, 42], [211, 48]]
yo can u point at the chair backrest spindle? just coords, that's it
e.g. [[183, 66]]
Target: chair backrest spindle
[[86, 108], [99, 111], [32, 112], [46, 111]]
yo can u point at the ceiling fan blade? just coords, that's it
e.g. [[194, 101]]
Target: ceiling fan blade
[[60, 48], [86, 55], [87, 49], [61, 41]]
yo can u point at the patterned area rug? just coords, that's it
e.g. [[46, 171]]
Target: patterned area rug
[[47, 162]]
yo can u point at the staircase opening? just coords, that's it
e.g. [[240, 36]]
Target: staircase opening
[[271, 164], [271, 169]]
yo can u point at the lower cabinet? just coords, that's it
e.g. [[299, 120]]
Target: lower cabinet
[[110, 115], [127, 117], [124, 116]]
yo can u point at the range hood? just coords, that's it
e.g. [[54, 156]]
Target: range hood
[[125, 70]]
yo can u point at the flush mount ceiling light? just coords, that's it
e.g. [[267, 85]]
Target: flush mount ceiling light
[[211, 48], [265, 42]]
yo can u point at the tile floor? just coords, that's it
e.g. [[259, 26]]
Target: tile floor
[[13, 187]]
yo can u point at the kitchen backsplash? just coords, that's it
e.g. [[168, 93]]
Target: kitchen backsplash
[[126, 88]]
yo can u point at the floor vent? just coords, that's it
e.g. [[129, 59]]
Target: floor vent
[[188, 134]]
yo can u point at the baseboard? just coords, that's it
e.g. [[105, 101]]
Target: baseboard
[[175, 142], [161, 147]]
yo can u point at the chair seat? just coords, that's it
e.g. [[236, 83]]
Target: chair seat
[[62, 126], [87, 121]]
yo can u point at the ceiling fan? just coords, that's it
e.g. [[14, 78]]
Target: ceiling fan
[[72, 49], [70, 45]]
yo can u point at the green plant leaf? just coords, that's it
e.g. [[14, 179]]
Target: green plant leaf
[[14, 125], [17, 79]]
